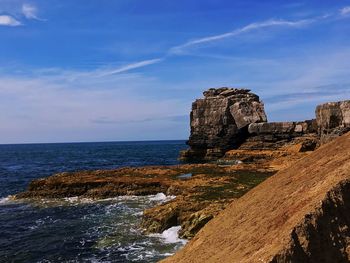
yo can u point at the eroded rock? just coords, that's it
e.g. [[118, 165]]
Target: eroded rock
[[333, 119], [219, 121]]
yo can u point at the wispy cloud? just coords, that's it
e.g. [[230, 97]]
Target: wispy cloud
[[345, 10], [250, 27], [177, 50], [78, 111], [6, 20], [31, 12], [180, 49], [131, 66]]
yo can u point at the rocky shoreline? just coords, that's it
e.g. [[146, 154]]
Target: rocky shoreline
[[201, 190], [236, 147]]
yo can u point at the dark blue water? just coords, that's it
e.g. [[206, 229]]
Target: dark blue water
[[79, 230]]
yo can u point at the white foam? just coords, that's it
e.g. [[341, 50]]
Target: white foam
[[5, 200], [71, 199], [170, 235], [161, 197], [158, 197]]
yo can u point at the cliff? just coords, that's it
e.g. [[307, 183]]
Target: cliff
[[333, 119], [301, 214], [219, 121], [234, 119]]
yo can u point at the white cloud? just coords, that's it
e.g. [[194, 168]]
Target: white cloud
[[31, 12], [345, 10], [250, 27], [177, 50], [130, 67], [6, 20], [48, 108]]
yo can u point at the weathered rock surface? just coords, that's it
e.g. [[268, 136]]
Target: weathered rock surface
[[273, 135], [333, 119], [227, 119], [301, 214], [219, 121]]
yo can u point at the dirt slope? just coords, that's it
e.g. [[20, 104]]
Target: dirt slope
[[301, 214]]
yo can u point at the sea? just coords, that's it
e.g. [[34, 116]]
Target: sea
[[77, 229]]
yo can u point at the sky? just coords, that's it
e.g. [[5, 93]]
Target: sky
[[103, 70]]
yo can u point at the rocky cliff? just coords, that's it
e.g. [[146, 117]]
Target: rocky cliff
[[333, 119], [301, 214], [219, 121], [227, 119]]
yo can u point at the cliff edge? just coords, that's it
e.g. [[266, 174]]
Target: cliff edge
[[301, 214]]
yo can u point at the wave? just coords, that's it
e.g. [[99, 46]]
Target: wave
[[4, 200], [76, 200], [161, 197], [7, 200], [170, 235]]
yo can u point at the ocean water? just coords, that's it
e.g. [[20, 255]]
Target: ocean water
[[76, 229]]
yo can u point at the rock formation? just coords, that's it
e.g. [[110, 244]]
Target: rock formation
[[333, 119], [220, 120], [273, 135], [301, 214], [227, 119]]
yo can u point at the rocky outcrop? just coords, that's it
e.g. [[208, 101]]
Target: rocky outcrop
[[227, 119], [274, 135], [283, 129], [333, 119], [219, 121], [301, 214]]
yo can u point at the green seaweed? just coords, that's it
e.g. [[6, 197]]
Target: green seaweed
[[240, 183]]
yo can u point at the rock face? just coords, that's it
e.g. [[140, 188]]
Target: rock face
[[274, 135], [220, 120], [227, 119], [301, 214], [333, 119]]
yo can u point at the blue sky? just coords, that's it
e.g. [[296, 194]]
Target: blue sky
[[102, 70]]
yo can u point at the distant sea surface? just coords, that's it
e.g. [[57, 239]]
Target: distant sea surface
[[75, 229]]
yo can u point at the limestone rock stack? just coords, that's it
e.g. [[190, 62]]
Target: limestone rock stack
[[220, 120]]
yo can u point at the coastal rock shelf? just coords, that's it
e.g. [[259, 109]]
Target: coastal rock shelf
[[201, 190], [199, 197]]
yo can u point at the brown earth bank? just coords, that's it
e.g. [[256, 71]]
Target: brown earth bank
[[201, 190], [300, 214]]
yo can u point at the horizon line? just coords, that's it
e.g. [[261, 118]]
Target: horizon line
[[82, 142]]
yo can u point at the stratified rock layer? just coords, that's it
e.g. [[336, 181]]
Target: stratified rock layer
[[301, 214], [219, 121], [333, 119]]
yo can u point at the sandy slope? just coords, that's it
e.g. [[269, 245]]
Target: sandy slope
[[301, 214]]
